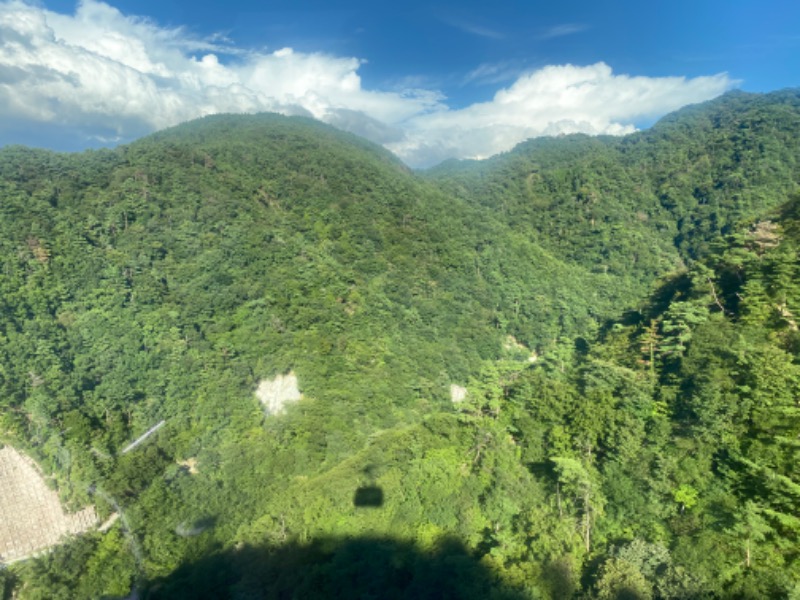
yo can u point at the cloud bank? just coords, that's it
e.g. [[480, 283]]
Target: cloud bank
[[102, 76]]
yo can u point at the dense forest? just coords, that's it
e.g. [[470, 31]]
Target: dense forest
[[623, 313]]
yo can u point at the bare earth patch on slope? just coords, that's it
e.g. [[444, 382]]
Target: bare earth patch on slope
[[457, 393], [275, 394], [31, 516]]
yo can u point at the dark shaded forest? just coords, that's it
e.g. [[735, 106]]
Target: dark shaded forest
[[622, 312]]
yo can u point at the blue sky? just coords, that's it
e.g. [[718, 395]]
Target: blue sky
[[429, 81]]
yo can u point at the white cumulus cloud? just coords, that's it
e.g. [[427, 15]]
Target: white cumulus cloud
[[101, 75], [550, 101]]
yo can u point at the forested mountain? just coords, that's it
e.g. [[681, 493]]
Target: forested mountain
[[640, 205], [622, 311]]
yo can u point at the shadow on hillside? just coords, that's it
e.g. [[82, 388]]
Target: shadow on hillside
[[358, 568], [369, 496]]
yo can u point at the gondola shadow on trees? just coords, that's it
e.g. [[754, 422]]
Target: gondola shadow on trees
[[368, 496], [335, 567]]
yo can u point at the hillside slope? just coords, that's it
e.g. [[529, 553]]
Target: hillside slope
[[268, 244], [165, 279], [638, 205]]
